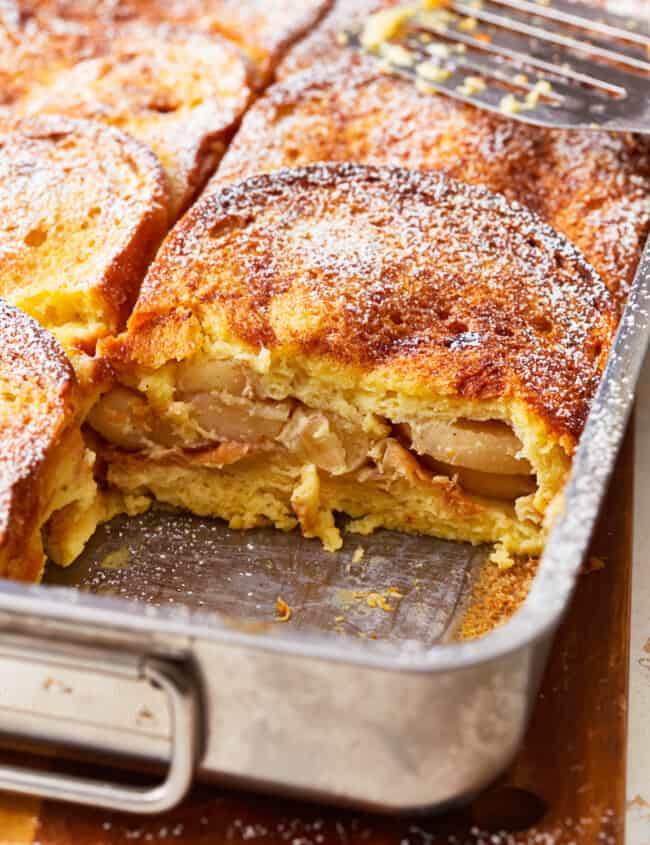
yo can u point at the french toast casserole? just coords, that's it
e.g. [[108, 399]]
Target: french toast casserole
[[247, 272]]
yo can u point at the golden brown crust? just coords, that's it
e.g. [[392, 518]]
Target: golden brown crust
[[592, 187], [82, 210], [180, 91], [37, 404], [263, 30], [444, 284]]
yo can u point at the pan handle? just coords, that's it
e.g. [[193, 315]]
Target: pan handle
[[181, 688]]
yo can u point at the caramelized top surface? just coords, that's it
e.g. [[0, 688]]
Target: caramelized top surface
[[264, 29], [36, 404], [82, 208], [593, 187], [386, 270], [178, 90]]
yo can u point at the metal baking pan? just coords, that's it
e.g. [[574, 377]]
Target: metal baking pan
[[158, 647]]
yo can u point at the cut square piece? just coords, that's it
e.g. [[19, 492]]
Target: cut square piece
[[395, 346], [83, 208], [46, 472]]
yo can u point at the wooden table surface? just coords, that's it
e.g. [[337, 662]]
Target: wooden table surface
[[567, 785]]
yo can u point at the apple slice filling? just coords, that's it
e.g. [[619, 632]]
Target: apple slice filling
[[233, 422]]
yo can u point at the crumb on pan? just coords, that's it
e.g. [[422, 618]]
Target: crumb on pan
[[377, 600], [472, 85], [431, 72], [283, 610], [468, 24], [501, 557], [116, 559], [510, 104], [384, 25], [389, 23], [395, 54]]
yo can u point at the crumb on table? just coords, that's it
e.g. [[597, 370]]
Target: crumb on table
[[592, 564]]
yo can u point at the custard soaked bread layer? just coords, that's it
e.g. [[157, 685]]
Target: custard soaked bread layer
[[83, 208], [46, 472], [178, 90], [400, 347], [592, 187]]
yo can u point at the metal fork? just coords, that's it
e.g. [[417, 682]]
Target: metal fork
[[549, 65]]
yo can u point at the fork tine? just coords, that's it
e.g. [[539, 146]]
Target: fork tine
[[574, 18], [491, 99], [516, 47], [625, 52], [490, 67], [541, 34], [512, 38]]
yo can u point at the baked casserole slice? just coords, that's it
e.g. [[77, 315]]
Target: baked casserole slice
[[47, 490], [83, 208], [407, 350]]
